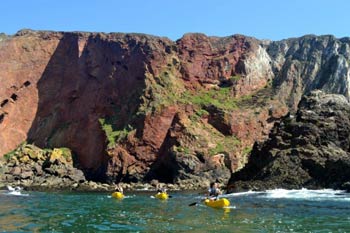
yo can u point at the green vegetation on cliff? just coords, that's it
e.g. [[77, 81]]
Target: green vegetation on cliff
[[161, 91], [220, 97], [200, 137], [167, 89], [247, 150], [114, 136]]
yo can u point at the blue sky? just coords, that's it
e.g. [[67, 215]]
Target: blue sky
[[269, 19]]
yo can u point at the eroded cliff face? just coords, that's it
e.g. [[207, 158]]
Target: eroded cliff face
[[303, 64], [135, 107], [307, 150]]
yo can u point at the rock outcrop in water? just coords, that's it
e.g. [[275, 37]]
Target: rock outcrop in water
[[33, 168], [309, 149], [30, 166], [135, 107]]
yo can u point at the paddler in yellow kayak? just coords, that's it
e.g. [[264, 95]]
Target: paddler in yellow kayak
[[118, 192], [161, 193], [214, 191], [212, 199]]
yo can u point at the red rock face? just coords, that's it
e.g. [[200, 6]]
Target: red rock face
[[213, 60], [23, 61], [207, 60], [157, 126]]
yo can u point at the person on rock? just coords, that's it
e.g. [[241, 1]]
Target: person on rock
[[214, 191]]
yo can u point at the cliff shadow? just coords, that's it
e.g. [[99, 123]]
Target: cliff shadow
[[89, 90]]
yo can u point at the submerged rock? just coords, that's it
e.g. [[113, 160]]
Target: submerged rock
[[310, 149]]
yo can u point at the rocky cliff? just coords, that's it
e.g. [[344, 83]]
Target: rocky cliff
[[309, 149], [135, 107]]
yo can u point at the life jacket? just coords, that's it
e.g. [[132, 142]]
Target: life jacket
[[213, 192]]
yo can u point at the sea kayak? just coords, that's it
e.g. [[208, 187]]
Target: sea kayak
[[219, 203], [162, 196], [118, 195]]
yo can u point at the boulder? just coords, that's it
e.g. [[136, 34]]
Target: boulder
[[16, 171], [26, 175], [76, 175]]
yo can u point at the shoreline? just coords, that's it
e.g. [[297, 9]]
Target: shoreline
[[32, 168], [141, 187], [91, 186]]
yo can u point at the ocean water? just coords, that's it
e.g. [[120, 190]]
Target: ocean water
[[271, 211]]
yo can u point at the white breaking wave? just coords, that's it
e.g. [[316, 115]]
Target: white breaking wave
[[16, 191], [305, 193], [308, 194], [248, 193], [13, 189], [230, 207]]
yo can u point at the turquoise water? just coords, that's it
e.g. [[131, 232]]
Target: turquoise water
[[272, 211]]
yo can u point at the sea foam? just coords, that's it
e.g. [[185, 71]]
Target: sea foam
[[308, 194], [15, 191]]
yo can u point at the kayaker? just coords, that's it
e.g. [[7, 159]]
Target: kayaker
[[214, 191], [161, 189], [118, 188]]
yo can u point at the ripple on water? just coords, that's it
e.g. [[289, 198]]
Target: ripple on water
[[250, 212]]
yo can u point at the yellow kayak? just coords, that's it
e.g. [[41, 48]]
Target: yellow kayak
[[162, 196], [219, 203], [118, 195]]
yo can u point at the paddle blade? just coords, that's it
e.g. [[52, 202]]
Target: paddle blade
[[193, 204]]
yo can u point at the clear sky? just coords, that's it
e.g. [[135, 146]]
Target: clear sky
[[263, 19]]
